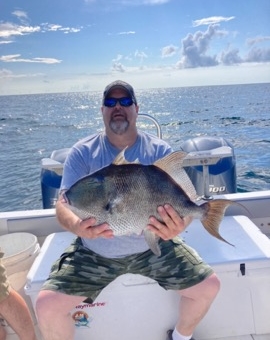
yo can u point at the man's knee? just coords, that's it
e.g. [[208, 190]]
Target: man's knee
[[45, 303]]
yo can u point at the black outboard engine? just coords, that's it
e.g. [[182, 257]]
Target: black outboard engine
[[222, 175], [51, 176]]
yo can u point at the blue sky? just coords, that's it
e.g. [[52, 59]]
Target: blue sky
[[81, 45]]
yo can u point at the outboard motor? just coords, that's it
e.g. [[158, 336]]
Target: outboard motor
[[221, 176], [51, 176]]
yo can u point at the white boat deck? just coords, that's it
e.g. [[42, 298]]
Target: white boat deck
[[243, 337]]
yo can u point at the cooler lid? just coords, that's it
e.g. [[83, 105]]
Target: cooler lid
[[251, 246]]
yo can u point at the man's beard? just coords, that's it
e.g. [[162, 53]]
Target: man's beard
[[119, 126]]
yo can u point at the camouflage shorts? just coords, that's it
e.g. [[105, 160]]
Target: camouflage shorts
[[4, 284], [79, 271]]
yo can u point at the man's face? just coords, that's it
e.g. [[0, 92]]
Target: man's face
[[119, 118]]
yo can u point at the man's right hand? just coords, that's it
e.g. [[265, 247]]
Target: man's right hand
[[82, 228], [88, 229]]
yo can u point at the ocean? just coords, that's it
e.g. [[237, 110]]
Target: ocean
[[32, 126]]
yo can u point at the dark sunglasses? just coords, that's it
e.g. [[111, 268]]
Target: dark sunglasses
[[124, 101]]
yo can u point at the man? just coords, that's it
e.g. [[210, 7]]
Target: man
[[13, 309], [90, 255]]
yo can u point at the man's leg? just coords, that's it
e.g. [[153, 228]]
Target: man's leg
[[195, 302], [15, 311], [2, 333], [53, 312]]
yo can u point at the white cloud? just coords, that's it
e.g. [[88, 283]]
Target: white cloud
[[195, 47], [6, 42], [256, 40], [118, 58], [140, 54], [7, 74], [127, 33], [231, 57], [21, 15], [9, 29], [46, 27], [211, 20], [118, 67], [195, 50], [258, 55], [14, 58], [4, 73], [154, 2], [168, 51]]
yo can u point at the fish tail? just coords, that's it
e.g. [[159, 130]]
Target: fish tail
[[214, 214]]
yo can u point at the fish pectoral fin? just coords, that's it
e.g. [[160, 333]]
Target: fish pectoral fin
[[152, 241], [121, 160]]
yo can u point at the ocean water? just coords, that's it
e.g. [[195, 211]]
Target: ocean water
[[32, 126]]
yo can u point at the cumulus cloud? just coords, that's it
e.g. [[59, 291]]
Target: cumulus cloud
[[211, 20], [258, 55], [118, 67], [231, 57], [195, 50], [195, 47], [4, 73], [15, 58], [168, 51], [140, 55]]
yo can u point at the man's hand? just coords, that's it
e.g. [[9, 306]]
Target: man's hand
[[88, 229], [172, 224], [74, 224]]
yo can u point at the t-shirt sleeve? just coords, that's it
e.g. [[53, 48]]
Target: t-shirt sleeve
[[74, 169]]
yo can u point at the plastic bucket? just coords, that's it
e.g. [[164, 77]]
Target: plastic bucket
[[20, 251]]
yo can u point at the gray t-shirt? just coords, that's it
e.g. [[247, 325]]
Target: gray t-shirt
[[95, 152]]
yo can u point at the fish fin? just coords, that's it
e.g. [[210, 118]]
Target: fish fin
[[152, 241], [120, 159], [214, 214], [172, 164]]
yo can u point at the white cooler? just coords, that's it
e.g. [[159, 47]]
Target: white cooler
[[134, 307]]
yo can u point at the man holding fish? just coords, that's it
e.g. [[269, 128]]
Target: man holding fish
[[121, 196]]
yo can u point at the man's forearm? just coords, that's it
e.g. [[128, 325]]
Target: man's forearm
[[66, 217]]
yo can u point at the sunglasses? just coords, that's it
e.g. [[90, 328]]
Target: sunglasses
[[124, 101]]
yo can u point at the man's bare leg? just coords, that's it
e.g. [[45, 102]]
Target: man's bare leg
[[195, 303], [16, 313], [53, 311]]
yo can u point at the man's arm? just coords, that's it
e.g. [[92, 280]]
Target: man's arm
[[74, 224]]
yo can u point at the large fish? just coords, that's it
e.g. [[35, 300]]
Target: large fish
[[125, 194]]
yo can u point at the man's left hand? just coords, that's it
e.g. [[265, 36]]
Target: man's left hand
[[172, 224]]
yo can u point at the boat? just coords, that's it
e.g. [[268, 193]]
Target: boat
[[134, 307]]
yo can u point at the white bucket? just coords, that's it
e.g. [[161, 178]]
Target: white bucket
[[20, 251]]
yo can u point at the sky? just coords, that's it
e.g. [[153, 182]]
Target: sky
[[81, 45]]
